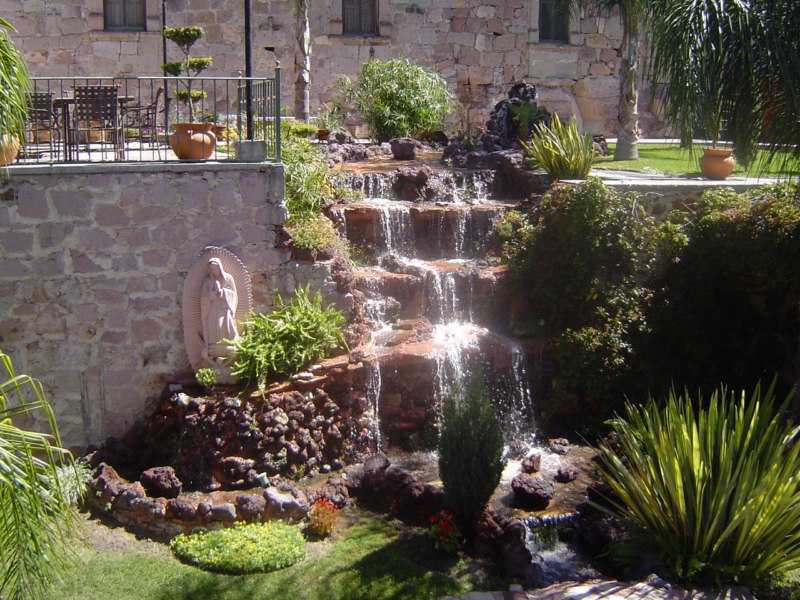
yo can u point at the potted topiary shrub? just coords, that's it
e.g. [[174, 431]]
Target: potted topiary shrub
[[193, 140], [14, 97]]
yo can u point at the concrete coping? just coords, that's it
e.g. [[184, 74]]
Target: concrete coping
[[139, 167]]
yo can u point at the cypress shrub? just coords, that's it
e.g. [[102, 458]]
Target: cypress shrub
[[470, 452]]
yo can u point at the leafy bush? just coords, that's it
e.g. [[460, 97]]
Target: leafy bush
[[322, 517], [287, 339], [244, 548], [470, 452], [726, 307], [398, 98], [715, 488], [306, 180], [315, 233], [291, 129], [445, 533], [560, 149]]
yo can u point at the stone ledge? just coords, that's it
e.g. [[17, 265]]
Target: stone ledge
[[141, 167]]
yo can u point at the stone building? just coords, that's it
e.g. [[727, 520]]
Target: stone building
[[479, 46]]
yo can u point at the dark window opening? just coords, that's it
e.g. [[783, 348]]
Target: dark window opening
[[124, 15], [360, 17], [553, 23]]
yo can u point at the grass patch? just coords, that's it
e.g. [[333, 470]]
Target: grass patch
[[368, 562], [671, 159]]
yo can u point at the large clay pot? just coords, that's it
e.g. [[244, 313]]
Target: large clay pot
[[192, 141], [9, 148], [716, 163]]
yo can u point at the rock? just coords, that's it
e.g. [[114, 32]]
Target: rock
[[225, 512], [375, 463], [153, 508], [342, 136], [128, 493], [284, 505], [567, 473], [403, 148], [558, 445], [532, 492], [107, 481], [250, 507], [161, 482], [182, 508], [532, 463]]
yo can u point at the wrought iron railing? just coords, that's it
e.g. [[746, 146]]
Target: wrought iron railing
[[131, 119]]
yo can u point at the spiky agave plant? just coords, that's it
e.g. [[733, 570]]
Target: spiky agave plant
[[560, 149], [714, 488], [36, 512]]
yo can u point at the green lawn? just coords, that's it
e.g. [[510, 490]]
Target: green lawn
[[669, 159], [368, 562]]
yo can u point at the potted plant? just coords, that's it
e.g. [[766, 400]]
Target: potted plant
[[193, 139], [329, 119], [14, 98]]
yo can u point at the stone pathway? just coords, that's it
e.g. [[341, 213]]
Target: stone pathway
[[607, 590]]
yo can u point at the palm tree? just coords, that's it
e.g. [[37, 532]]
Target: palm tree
[[302, 60], [15, 86], [732, 66], [632, 14], [36, 515]]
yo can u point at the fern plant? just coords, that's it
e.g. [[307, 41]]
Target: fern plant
[[560, 149], [715, 488], [284, 341]]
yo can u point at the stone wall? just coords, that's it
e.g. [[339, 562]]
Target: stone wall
[[479, 46], [92, 268]]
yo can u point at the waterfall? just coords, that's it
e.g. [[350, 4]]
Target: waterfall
[[396, 229], [373, 393]]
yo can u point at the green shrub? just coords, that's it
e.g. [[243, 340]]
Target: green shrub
[[715, 489], [291, 129], [726, 307], [206, 377], [399, 98], [244, 548], [306, 180], [287, 339], [560, 149], [315, 233], [470, 452]]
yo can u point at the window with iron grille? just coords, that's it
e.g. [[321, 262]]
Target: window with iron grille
[[360, 17], [124, 15], [553, 23]]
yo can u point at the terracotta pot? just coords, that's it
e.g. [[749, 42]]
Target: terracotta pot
[[9, 148], [192, 141], [716, 163], [323, 134]]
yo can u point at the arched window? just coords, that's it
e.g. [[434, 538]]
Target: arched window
[[124, 15], [359, 17]]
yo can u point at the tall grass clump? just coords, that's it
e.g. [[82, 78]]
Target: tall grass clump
[[560, 149], [397, 97], [470, 452], [38, 485], [285, 340], [305, 178], [714, 488]]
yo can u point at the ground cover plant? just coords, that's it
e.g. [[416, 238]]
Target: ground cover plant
[[287, 339], [712, 486], [397, 97], [243, 548], [367, 562]]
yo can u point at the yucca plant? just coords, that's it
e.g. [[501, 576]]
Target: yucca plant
[[560, 149], [715, 488], [37, 488]]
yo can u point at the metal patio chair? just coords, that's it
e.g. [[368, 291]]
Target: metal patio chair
[[96, 118]]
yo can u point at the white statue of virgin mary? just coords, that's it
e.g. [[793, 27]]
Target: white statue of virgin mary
[[218, 303]]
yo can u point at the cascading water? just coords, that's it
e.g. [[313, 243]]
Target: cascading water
[[374, 398], [429, 250]]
